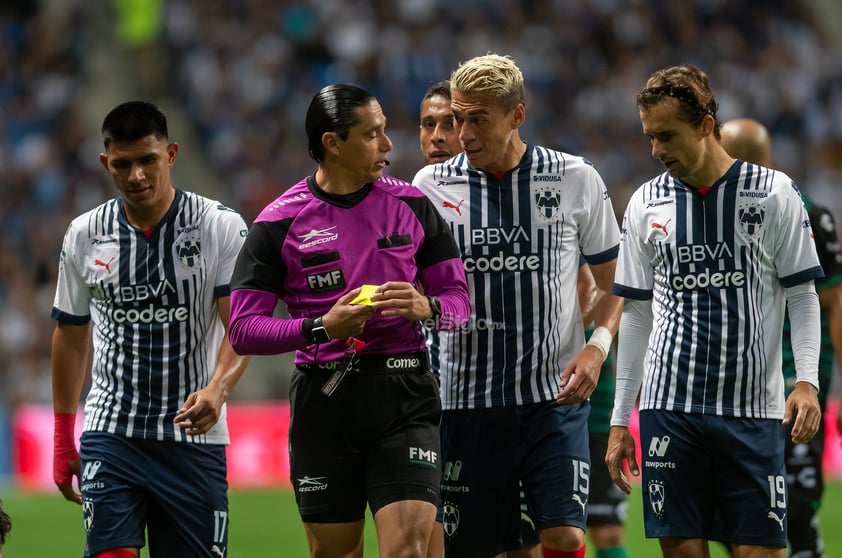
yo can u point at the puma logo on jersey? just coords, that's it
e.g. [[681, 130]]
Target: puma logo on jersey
[[661, 227], [456, 207], [106, 265], [578, 500], [780, 520]]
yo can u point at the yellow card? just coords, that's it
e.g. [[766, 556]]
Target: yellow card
[[365, 294]]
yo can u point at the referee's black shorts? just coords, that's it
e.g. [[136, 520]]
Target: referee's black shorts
[[375, 440]]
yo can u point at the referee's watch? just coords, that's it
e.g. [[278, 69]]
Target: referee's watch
[[314, 330], [435, 307]]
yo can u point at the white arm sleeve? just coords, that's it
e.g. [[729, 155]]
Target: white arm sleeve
[[632, 343], [802, 304]]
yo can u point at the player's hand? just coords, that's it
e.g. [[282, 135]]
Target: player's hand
[[803, 412], [580, 376], [201, 411], [399, 298], [66, 461], [346, 319], [620, 450]]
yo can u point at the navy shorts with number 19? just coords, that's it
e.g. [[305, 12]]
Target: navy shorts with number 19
[[713, 477], [176, 491]]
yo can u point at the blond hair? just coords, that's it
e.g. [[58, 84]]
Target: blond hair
[[492, 73]]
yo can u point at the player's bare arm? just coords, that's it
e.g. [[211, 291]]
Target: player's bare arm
[[70, 350], [203, 408]]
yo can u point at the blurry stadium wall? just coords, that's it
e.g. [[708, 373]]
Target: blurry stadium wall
[[258, 454]]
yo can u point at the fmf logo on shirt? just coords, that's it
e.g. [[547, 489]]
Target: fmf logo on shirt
[[327, 281]]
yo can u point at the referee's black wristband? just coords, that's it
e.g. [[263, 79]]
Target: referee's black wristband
[[314, 331]]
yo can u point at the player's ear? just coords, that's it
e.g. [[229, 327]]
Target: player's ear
[[331, 143], [518, 116]]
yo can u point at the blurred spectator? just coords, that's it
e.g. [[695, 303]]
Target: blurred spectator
[[45, 180], [246, 64], [244, 71]]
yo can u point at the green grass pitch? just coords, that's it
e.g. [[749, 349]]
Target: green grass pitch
[[265, 524]]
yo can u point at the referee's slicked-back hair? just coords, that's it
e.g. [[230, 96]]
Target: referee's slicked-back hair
[[494, 74], [687, 84], [133, 120], [332, 110]]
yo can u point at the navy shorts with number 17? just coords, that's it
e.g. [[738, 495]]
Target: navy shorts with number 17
[[176, 491]]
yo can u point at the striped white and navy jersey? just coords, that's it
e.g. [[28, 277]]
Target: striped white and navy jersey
[[715, 267], [520, 236], [152, 306]]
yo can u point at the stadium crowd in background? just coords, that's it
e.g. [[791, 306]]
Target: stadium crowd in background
[[581, 59]]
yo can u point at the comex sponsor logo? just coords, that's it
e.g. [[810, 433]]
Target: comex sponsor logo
[[404, 363], [316, 237], [312, 484]]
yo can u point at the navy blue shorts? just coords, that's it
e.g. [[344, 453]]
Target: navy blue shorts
[[607, 504], [486, 453], [175, 490], [374, 441], [715, 478]]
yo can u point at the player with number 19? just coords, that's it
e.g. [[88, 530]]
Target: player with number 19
[[713, 252]]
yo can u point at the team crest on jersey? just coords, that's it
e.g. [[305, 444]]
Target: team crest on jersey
[[751, 219], [450, 518], [656, 498], [548, 202], [189, 253]]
